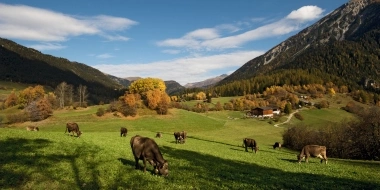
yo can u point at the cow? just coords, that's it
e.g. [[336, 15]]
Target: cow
[[277, 145], [72, 127], [180, 137], [247, 142], [32, 128], [313, 151], [146, 149], [158, 135], [183, 134], [123, 132]]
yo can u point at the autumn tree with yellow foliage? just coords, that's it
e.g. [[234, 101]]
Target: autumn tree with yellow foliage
[[152, 91], [142, 86]]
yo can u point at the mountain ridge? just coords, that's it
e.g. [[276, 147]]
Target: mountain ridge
[[349, 23]]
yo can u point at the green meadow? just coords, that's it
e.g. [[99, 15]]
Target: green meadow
[[211, 158]]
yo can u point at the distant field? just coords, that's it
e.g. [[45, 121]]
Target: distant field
[[211, 158]]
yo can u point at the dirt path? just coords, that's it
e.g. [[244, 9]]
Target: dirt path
[[289, 117]]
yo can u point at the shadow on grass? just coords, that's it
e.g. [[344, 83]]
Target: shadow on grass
[[213, 141], [216, 173], [42, 164]]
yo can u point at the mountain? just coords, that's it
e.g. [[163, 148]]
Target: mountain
[[173, 87], [206, 83], [122, 81], [343, 47], [27, 65]]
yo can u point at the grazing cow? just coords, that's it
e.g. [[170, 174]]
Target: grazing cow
[[184, 136], [313, 151], [158, 135], [72, 127], [32, 128], [277, 145], [123, 132], [146, 149], [180, 137], [247, 142]]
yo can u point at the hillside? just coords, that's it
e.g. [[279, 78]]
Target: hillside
[[343, 48], [206, 83], [25, 65]]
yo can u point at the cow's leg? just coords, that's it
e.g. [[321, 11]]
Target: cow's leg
[[144, 162], [307, 158], [137, 163], [246, 149], [324, 158]]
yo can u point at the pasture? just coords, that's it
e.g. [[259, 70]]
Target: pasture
[[211, 158]]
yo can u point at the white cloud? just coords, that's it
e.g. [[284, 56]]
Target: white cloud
[[30, 23], [47, 46], [104, 56], [211, 38], [183, 70], [202, 34], [306, 13]]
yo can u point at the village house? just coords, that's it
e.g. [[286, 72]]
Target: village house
[[263, 112]]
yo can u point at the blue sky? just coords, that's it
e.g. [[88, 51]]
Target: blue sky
[[183, 40]]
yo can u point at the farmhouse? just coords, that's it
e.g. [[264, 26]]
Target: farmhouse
[[263, 112]]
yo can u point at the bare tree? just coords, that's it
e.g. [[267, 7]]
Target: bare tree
[[82, 93], [60, 92]]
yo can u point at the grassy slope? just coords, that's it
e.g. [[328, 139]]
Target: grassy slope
[[212, 157]]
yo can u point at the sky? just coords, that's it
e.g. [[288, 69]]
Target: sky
[[182, 40]]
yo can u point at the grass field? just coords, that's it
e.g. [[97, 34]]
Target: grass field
[[211, 158]]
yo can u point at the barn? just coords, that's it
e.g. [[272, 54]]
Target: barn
[[263, 112]]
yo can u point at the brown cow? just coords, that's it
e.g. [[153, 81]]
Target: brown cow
[[123, 132], [158, 135], [146, 149], [32, 128], [72, 127], [313, 151], [277, 145], [247, 142], [180, 137]]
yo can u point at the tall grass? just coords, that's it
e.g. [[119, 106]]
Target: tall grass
[[211, 158]]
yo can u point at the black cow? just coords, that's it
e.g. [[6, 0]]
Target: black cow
[[180, 137], [277, 145], [123, 132], [146, 149], [32, 128], [72, 127], [313, 151], [247, 142], [158, 135]]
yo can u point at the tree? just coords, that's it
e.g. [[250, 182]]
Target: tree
[[30, 94], [39, 110], [11, 100], [288, 109], [82, 95], [142, 86], [60, 92], [64, 94], [163, 104]]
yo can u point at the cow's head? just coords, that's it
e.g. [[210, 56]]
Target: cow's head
[[256, 149], [299, 158], [162, 169]]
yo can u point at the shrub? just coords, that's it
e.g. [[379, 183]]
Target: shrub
[[299, 116], [348, 140], [100, 112], [322, 104], [18, 117]]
